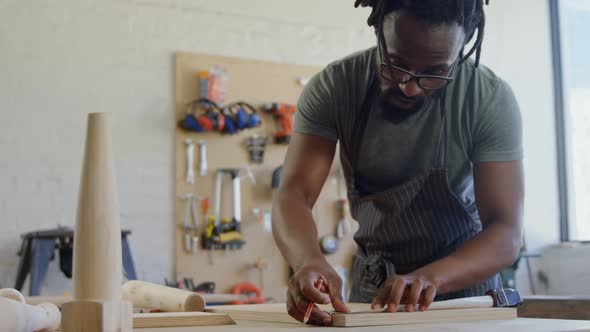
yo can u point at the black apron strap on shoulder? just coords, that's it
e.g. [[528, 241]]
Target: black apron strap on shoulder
[[440, 160], [360, 124]]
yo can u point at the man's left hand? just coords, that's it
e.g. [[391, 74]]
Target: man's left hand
[[413, 290]]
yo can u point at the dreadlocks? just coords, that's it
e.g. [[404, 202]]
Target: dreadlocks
[[469, 14]]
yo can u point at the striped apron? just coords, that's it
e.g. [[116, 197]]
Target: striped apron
[[408, 226]]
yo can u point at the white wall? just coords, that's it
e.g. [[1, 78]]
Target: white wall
[[62, 59], [518, 48]]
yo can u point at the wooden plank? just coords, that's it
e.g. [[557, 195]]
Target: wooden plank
[[57, 300], [360, 316], [421, 317], [179, 319], [555, 307], [222, 298], [274, 313]]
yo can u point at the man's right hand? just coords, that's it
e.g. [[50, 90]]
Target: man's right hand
[[302, 291]]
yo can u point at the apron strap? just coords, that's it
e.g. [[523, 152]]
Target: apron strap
[[362, 118], [360, 124], [440, 160]]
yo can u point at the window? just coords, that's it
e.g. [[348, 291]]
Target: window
[[571, 25]]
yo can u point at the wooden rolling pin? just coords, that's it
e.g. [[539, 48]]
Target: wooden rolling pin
[[16, 316], [152, 296]]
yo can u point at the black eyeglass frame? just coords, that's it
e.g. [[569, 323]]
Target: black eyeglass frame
[[418, 77]]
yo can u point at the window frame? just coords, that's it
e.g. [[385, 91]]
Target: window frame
[[559, 105]]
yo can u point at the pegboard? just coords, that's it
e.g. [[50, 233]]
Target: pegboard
[[255, 82]]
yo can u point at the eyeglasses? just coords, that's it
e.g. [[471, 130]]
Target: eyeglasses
[[399, 75]]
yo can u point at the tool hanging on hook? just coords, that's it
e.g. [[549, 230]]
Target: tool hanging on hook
[[190, 157], [226, 233], [202, 158], [191, 231]]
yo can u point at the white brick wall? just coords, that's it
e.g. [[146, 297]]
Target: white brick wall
[[60, 59]]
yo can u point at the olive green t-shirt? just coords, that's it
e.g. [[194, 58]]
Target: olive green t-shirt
[[482, 120]]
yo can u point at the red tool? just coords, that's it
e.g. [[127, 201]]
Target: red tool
[[248, 288], [318, 285], [205, 207], [283, 113]]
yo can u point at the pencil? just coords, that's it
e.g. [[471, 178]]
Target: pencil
[[318, 285]]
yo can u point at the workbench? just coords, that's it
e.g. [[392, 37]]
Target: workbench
[[519, 324]]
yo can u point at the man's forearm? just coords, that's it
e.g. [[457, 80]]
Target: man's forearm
[[294, 229], [495, 248]]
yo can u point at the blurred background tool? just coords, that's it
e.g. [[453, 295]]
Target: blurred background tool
[[190, 158], [226, 233], [284, 114], [202, 158], [256, 145], [191, 231]]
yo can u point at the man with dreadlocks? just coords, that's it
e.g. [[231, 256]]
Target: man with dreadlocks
[[430, 144]]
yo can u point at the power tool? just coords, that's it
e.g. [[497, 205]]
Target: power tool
[[284, 114]]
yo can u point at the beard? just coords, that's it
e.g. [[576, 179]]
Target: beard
[[397, 106]]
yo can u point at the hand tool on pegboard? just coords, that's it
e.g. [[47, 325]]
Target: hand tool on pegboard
[[202, 158], [210, 219], [256, 145], [284, 114], [191, 230], [190, 157], [225, 233]]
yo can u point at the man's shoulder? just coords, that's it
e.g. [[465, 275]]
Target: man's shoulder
[[357, 64], [481, 80], [343, 82], [362, 57]]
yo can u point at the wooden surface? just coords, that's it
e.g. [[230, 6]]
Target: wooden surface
[[518, 325], [274, 313], [152, 296], [361, 316], [97, 316], [223, 298], [424, 317], [179, 319], [57, 300], [557, 307], [256, 82], [460, 303]]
